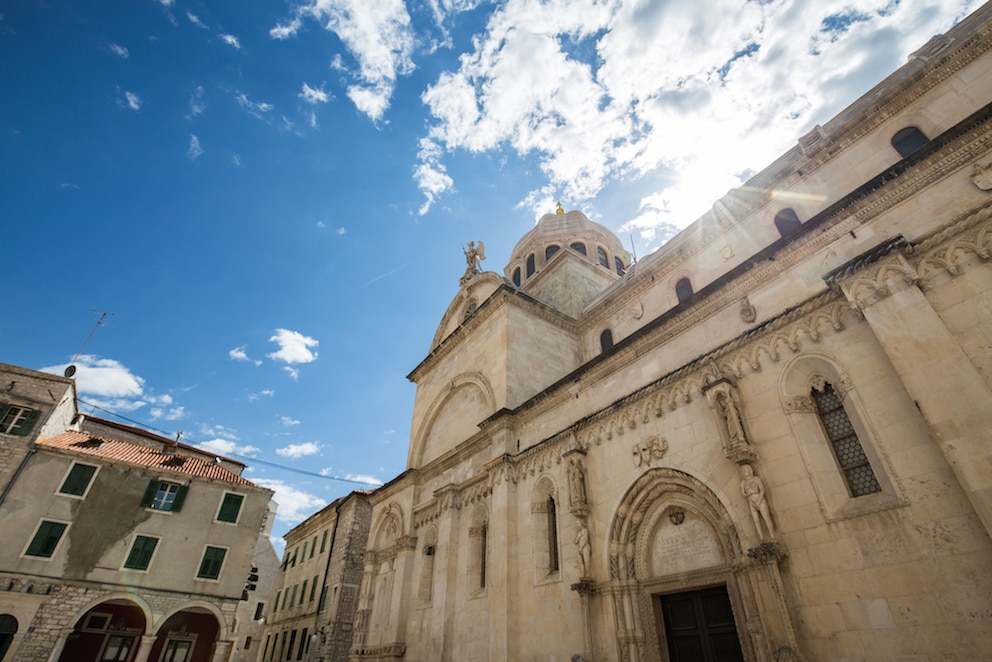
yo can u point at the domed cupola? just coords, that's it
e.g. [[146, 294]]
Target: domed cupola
[[565, 232], [566, 260]]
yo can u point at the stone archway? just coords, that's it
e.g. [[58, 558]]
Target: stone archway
[[188, 635], [8, 628], [109, 631], [671, 534]]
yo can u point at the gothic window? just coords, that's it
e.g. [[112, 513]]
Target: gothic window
[[604, 261], [606, 340], [553, 558], [787, 222], [550, 251], [908, 140], [847, 448], [478, 534], [516, 276], [483, 544], [683, 290], [530, 265], [579, 248]]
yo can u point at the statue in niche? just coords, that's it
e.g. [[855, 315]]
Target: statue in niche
[[585, 550], [730, 410], [753, 489], [576, 482]]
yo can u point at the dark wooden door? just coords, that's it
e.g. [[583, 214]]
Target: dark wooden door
[[699, 626]]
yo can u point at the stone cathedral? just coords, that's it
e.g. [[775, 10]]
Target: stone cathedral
[[769, 440]]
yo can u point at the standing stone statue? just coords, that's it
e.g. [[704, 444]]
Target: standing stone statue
[[576, 483], [585, 550], [731, 413], [753, 489]]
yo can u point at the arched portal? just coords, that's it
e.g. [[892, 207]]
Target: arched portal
[[8, 628], [108, 632], [675, 561], [188, 635]]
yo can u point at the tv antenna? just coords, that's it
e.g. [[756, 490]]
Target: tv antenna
[[71, 369]]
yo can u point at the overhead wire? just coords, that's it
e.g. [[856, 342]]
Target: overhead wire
[[238, 456]]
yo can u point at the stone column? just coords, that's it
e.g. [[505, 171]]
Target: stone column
[[952, 395], [145, 647]]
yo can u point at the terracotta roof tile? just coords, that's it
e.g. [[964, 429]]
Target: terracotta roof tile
[[142, 456]]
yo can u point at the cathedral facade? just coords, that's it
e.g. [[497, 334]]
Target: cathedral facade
[[767, 440]]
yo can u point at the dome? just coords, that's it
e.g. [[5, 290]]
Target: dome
[[571, 231]]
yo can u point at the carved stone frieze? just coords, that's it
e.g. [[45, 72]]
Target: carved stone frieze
[[650, 449], [879, 280], [799, 404], [949, 249]]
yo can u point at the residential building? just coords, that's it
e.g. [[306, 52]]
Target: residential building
[[122, 545], [767, 440], [312, 616]]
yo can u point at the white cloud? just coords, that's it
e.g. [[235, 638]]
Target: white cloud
[[128, 100], [219, 431], [692, 94], [293, 373], [238, 354], [320, 225], [194, 151], [363, 478], [294, 505], [314, 95], [196, 103], [230, 40], [256, 109], [266, 393], [288, 422], [296, 451], [294, 347], [119, 51], [228, 447], [104, 378], [341, 231], [236, 160], [174, 414], [195, 20], [377, 33], [167, 3]]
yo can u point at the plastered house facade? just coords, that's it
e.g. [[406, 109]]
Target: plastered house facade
[[120, 545], [767, 440]]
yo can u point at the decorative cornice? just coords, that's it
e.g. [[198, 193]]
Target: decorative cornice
[[947, 249]]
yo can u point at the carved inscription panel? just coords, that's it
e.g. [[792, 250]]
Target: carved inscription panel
[[691, 545]]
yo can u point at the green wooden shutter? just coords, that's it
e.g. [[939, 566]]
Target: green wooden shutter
[[78, 479], [24, 429], [230, 507], [177, 503], [150, 492], [46, 539]]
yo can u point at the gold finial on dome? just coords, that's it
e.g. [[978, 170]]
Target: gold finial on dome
[[560, 209]]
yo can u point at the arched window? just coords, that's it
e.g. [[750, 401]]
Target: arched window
[[478, 535], [553, 557], [483, 545], [469, 309], [8, 628], [908, 140], [426, 589], [550, 251], [604, 261], [579, 248], [619, 265], [850, 454], [606, 340], [787, 222], [516, 276], [530, 265], [683, 290]]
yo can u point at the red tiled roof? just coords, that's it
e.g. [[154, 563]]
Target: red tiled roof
[[143, 456]]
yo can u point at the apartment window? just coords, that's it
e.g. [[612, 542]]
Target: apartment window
[[163, 495], [303, 644], [213, 559], [140, 556], [847, 448], [17, 420], [323, 541], [77, 480], [303, 592], [46, 539], [292, 600], [260, 609], [313, 546], [908, 140], [247, 643], [230, 507], [275, 603], [292, 642], [313, 588]]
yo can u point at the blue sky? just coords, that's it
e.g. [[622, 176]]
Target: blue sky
[[272, 197]]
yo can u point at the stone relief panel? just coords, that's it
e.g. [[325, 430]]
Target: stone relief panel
[[678, 548]]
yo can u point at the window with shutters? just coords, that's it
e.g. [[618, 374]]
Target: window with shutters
[[140, 556], [165, 496], [230, 508], [17, 420], [78, 480], [46, 539], [213, 560]]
